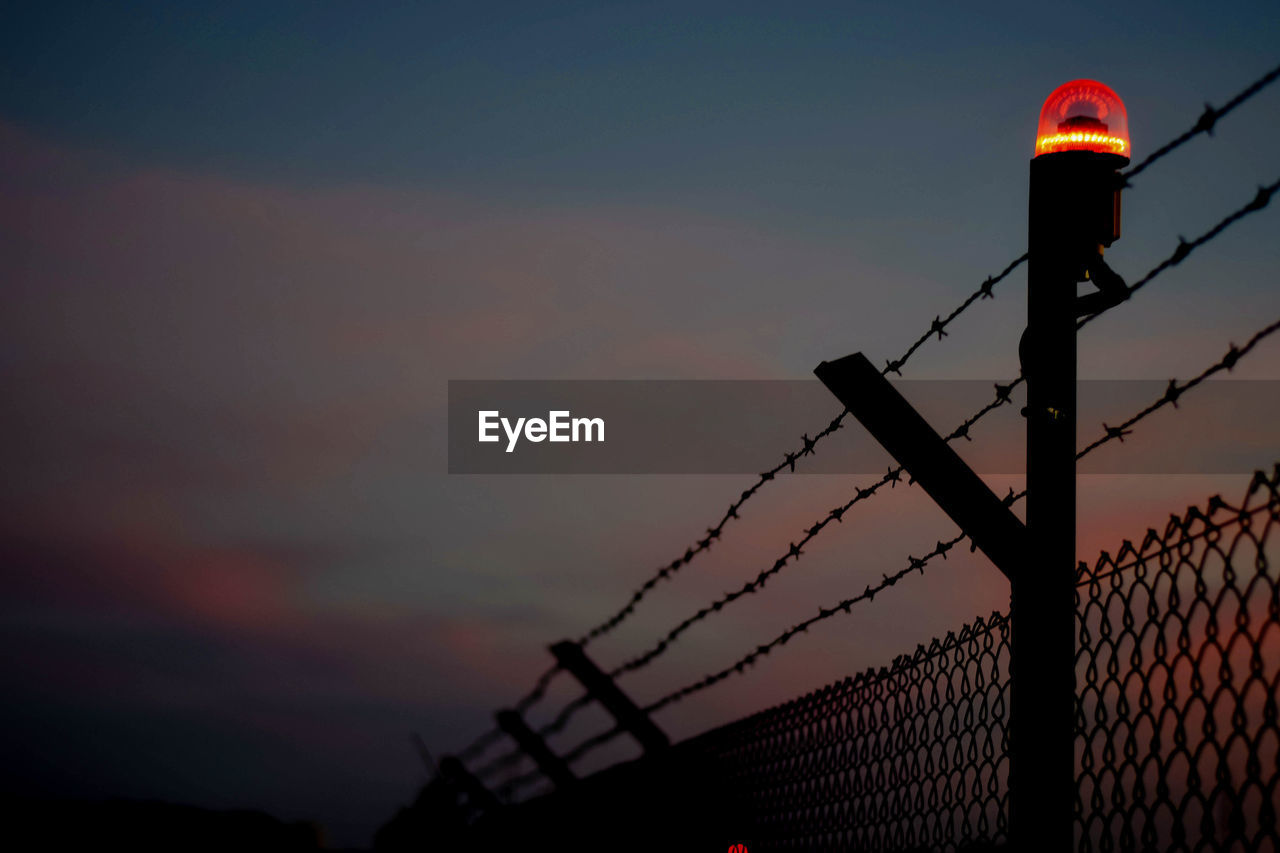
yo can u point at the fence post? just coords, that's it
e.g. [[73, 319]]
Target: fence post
[[600, 687], [551, 765], [926, 456], [1073, 212]]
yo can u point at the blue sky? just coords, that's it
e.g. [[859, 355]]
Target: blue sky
[[244, 248]]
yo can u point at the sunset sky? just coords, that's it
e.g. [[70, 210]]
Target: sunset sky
[[242, 251]]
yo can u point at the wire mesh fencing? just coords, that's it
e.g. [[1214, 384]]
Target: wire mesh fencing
[[1177, 728], [908, 757], [1178, 678]]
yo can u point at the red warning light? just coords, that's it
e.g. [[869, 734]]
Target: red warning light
[[1083, 115]]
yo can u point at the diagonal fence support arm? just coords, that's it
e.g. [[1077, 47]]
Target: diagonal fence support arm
[[602, 688], [532, 744], [930, 461]]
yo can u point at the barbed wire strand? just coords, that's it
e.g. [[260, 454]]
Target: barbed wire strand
[[481, 744], [1204, 124], [1175, 390], [1259, 201]]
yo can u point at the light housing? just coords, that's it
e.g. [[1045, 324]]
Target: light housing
[[1083, 115]]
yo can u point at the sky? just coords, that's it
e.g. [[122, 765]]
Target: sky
[[244, 248]]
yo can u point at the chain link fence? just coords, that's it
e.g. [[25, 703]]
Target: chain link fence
[[908, 757], [1178, 733], [1178, 678]]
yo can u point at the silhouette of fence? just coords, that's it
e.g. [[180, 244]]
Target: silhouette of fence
[[1177, 674], [1177, 733], [1178, 679], [911, 756]]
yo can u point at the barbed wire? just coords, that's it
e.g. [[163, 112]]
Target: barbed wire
[[1110, 433], [795, 549], [1260, 200], [917, 564], [1174, 390], [938, 327], [1129, 556], [554, 726], [1194, 524], [1204, 124], [1002, 397], [480, 745], [566, 713], [807, 447]]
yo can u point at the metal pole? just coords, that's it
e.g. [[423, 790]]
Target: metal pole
[[602, 688], [1074, 211], [532, 744]]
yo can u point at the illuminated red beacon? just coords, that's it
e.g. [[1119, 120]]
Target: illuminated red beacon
[[1083, 115]]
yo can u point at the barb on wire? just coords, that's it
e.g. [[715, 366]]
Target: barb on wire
[[1259, 201], [1171, 395], [807, 448], [1204, 124]]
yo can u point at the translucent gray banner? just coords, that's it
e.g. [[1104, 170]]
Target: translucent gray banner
[[741, 427]]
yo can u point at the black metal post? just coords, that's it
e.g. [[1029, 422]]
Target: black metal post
[[602, 688], [927, 457], [1074, 212], [551, 765]]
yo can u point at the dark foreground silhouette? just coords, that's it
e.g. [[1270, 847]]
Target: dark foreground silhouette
[[134, 826]]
